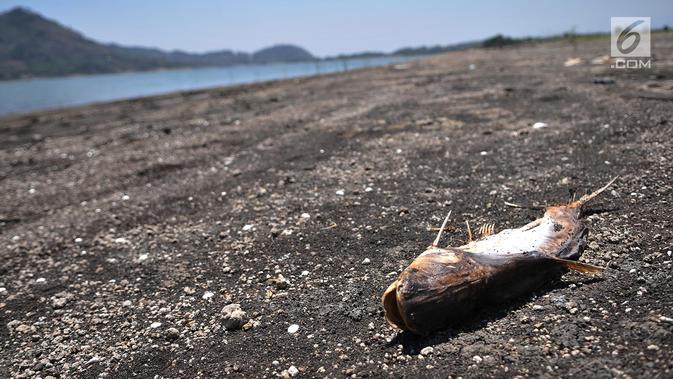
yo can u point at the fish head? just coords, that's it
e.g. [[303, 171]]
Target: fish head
[[568, 237]]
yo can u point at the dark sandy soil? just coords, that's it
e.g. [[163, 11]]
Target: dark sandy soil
[[127, 227]]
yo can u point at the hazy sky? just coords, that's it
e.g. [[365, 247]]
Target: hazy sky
[[328, 28]]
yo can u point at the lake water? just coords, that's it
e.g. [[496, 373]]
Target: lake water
[[17, 96]]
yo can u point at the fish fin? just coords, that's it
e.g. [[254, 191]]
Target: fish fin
[[586, 198], [584, 268], [439, 234], [533, 207], [486, 230], [469, 231]]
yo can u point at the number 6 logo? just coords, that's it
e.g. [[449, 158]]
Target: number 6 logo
[[625, 34], [630, 37]]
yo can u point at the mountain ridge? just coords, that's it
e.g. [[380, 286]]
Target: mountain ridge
[[34, 46]]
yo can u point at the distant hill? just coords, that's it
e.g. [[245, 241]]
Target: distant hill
[[31, 45], [411, 51], [282, 53]]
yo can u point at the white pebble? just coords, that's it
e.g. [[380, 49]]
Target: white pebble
[[155, 325], [126, 197], [540, 125], [483, 153], [366, 261], [340, 192], [293, 371], [142, 257], [40, 280], [292, 329], [78, 240], [31, 191], [369, 189], [305, 273], [537, 307], [305, 215], [247, 227], [427, 350], [207, 295], [477, 359]]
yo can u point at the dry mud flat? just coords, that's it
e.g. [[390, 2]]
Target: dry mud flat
[[128, 227]]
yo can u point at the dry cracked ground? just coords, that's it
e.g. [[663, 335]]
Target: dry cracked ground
[[131, 229]]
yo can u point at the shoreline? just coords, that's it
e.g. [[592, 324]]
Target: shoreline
[[241, 72]]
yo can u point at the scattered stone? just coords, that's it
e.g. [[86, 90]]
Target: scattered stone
[[340, 192], [59, 303], [366, 261], [293, 371], [292, 329], [355, 314], [249, 325], [233, 317], [155, 325], [427, 350], [538, 307], [540, 125], [122, 240], [666, 319], [189, 290], [23, 328], [279, 282], [92, 361], [172, 334], [207, 295]]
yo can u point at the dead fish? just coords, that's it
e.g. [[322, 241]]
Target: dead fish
[[445, 286]]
